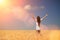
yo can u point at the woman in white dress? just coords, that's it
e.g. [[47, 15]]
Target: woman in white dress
[[38, 21]]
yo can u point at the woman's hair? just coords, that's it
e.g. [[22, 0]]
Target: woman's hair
[[38, 20]]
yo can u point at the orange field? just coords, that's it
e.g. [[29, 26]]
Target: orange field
[[29, 35]]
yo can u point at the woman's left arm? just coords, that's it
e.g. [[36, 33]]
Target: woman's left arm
[[44, 17]]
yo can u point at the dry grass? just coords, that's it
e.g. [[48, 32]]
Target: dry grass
[[29, 35]]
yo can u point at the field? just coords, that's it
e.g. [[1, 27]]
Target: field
[[29, 35]]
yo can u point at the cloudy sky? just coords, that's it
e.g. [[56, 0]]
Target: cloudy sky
[[15, 14]]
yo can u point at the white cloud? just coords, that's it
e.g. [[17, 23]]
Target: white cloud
[[30, 7], [42, 7]]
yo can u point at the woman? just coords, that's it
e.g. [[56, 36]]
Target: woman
[[38, 21]]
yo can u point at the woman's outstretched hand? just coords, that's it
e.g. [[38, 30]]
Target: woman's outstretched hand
[[46, 14]]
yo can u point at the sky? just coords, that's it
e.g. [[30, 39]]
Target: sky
[[15, 14], [51, 7]]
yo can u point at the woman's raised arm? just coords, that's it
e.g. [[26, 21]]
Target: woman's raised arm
[[44, 17], [32, 15]]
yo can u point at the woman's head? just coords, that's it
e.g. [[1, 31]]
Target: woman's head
[[38, 19]]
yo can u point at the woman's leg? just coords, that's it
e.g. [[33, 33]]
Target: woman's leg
[[38, 31]]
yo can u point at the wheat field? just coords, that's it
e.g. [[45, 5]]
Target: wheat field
[[29, 35]]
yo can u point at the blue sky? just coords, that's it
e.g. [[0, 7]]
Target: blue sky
[[51, 7]]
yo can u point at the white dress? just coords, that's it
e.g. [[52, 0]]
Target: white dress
[[37, 27]]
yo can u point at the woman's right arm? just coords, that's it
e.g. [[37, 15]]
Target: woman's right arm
[[33, 17]]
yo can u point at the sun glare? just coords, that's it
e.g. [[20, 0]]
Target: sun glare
[[1, 1]]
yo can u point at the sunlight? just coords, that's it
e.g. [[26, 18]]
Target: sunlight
[[4, 3], [1, 1]]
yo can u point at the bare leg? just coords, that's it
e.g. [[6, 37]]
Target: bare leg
[[38, 31]]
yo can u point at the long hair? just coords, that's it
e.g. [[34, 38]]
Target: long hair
[[38, 20]]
